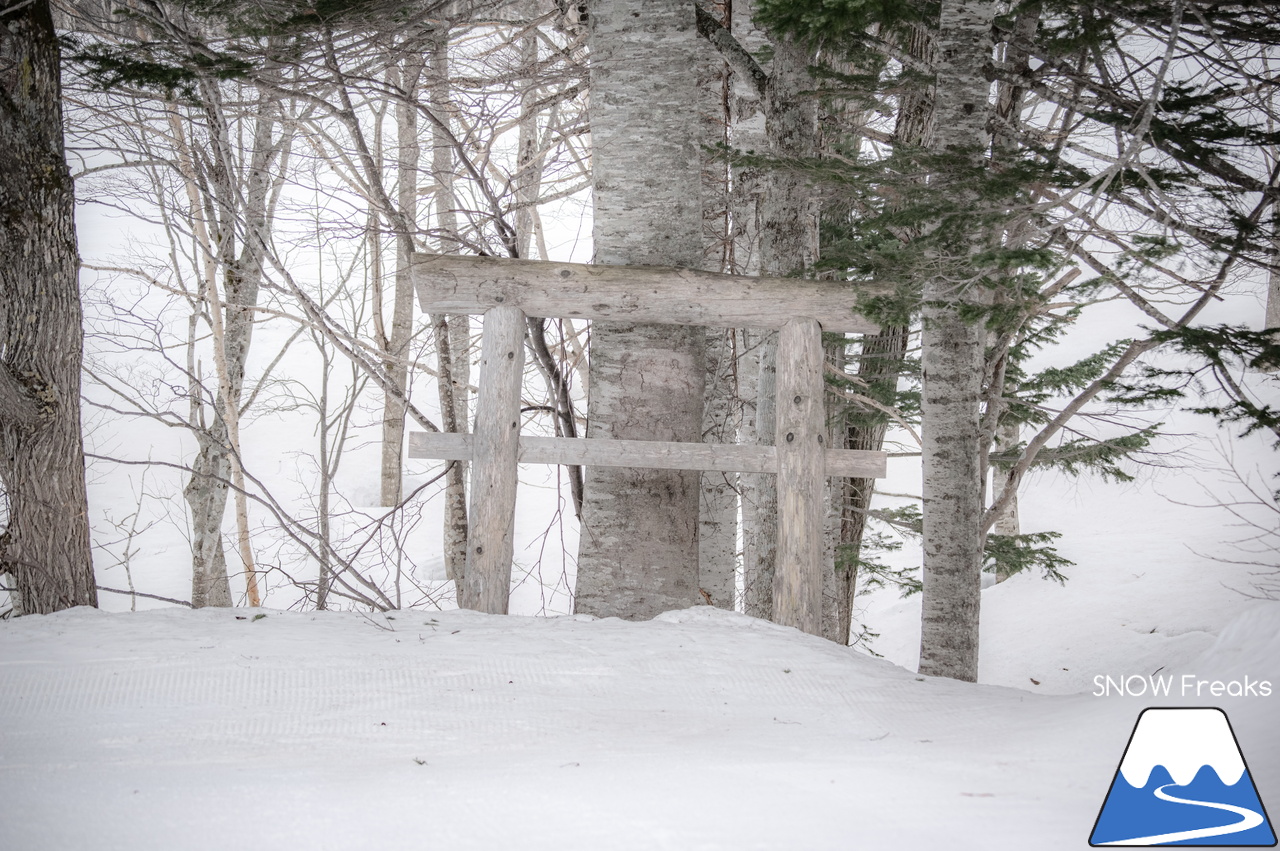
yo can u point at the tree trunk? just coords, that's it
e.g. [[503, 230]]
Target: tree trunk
[[638, 553], [718, 512], [324, 577], [881, 360], [879, 365], [45, 545], [718, 509], [834, 627], [788, 243], [1272, 317], [219, 209], [452, 333], [759, 498], [1003, 433], [396, 363], [953, 366], [759, 512]]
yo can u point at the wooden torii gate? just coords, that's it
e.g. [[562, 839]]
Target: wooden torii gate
[[506, 291]]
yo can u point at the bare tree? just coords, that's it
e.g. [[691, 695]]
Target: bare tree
[[345, 116]]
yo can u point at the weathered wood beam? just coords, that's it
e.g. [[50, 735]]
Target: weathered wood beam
[[716, 457], [657, 294], [486, 584], [797, 584]]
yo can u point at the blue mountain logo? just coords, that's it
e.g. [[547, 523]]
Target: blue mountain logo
[[1183, 781]]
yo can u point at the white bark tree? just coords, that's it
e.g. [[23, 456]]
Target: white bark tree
[[953, 368], [638, 552], [721, 418]]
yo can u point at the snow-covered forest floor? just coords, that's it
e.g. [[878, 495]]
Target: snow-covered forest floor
[[702, 729], [173, 729]]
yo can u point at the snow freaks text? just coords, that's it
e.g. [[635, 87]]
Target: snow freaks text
[[1169, 685]]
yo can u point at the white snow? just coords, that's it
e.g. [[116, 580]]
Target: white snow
[[176, 729], [1183, 741]]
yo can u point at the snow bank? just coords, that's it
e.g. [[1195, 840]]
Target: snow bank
[[701, 729]]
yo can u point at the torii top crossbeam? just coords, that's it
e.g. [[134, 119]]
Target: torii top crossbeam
[[650, 294]]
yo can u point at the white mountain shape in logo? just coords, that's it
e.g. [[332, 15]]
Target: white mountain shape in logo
[[1183, 741]]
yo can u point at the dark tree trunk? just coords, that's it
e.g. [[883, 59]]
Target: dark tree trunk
[[880, 365], [45, 546], [883, 355]]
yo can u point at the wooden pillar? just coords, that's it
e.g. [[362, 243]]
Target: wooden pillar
[[486, 586], [797, 587]]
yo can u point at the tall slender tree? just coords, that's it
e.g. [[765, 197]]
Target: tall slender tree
[[954, 365]]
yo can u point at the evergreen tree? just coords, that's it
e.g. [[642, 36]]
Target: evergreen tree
[[993, 228]]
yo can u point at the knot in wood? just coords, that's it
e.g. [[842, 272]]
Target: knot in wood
[[790, 436]]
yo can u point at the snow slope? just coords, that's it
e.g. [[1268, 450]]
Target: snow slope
[[702, 729]]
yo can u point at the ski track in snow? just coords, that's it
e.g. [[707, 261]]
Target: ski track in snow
[[1248, 820]]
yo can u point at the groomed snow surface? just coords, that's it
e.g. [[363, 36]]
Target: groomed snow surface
[[702, 729]]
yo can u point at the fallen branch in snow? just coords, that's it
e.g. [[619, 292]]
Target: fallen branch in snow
[[186, 603]]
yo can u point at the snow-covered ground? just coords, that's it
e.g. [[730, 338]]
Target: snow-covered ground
[[701, 729], [172, 729]]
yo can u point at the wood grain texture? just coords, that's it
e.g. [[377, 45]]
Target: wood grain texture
[[597, 452], [658, 294], [486, 585], [797, 586]]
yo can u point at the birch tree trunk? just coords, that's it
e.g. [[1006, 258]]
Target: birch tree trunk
[[396, 363], [45, 545], [718, 511], [721, 417], [1271, 317], [759, 505], [638, 552], [953, 366], [1006, 522], [452, 333], [221, 213], [879, 365]]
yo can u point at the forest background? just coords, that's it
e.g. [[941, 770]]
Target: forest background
[[254, 179]]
